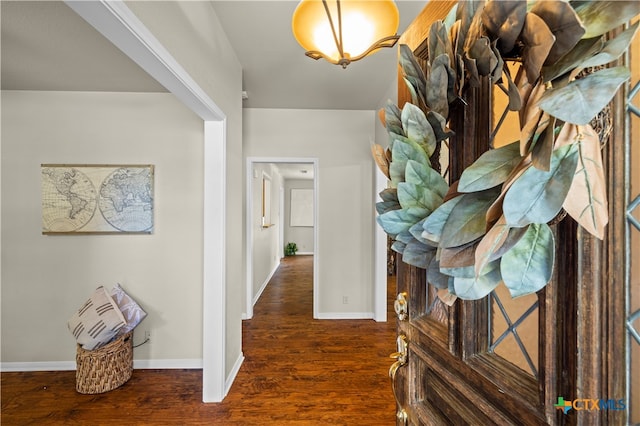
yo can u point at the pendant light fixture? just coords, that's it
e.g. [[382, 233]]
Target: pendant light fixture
[[344, 31]]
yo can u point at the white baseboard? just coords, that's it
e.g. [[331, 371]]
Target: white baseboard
[[141, 364], [233, 373], [304, 253], [264, 284], [167, 364], [345, 315], [38, 366]]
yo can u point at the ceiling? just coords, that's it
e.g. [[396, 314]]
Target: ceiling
[[303, 171], [46, 46]]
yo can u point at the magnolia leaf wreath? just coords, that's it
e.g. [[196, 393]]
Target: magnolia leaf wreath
[[491, 226]]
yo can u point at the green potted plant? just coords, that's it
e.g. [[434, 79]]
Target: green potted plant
[[290, 249]]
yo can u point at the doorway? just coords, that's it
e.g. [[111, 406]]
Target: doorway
[[267, 220]]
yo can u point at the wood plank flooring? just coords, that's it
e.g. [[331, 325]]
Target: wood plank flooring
[[297, 371]]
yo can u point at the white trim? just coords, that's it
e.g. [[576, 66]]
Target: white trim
[[114, 20], [281, 223], [248, 244], [248, 308], [214, 263], [37, 366], [233, 373], [167, 364], [138, 364], [345, 315], [379, 256], [304, 253], [264, 284]]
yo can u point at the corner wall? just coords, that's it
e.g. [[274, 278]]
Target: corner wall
[[264, 246], [192, 33], [301, 235], [46, 278], [341, 142]]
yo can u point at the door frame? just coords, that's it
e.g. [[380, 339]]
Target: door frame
[[248, 288], [114, 20]]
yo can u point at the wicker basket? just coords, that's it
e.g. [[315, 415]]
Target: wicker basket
[[106, 368]]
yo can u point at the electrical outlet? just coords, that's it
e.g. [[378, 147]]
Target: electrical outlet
[[345, 300]]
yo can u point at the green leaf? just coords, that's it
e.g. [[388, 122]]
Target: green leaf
[[486, 60], [385, 206], [417, 128], [458, 257], [583, 99], [411, 87], [439, 125], [496, 73], [457, 271], [398, 246], [389, 194], [396, 172], [418, 254], [504, 21], [490, 169], [527, 267], [422, 174], [585, 48], [404, 237], [467, 13], [438, 41], [412, 195], [543, 144], [434, 276], [600, 17], [563, 22], [467, 220], [404, 149], [538, 41], [613, 49], [471, 69], [587, 199], [412, 71], [477, 288], [396, 221], [416, 232], [438, 85], [434, 224], [496, 242], [392, 118], [537, 195]]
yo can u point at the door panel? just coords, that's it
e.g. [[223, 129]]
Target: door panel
[[503, 361]]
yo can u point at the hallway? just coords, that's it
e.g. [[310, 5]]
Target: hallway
[[297, 371], [321, 372]]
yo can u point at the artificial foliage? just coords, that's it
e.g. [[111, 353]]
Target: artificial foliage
[[492, 225]]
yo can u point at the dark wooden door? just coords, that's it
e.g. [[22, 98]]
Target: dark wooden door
[[483, 362]]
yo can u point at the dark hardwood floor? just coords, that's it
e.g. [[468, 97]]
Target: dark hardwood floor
[[297, 371]]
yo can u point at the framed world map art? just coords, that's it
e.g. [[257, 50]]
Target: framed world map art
[[97, 199]]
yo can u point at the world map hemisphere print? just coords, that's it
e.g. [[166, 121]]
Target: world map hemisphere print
[[97, 199]]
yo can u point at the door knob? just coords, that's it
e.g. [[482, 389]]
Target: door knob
[[400, 305], [400, 356], [401, 359]]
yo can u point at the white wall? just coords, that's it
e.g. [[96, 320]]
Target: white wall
[[301, 235], [380, 237], [265, 254], [46, 278], [191, 32], [341, 142]]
